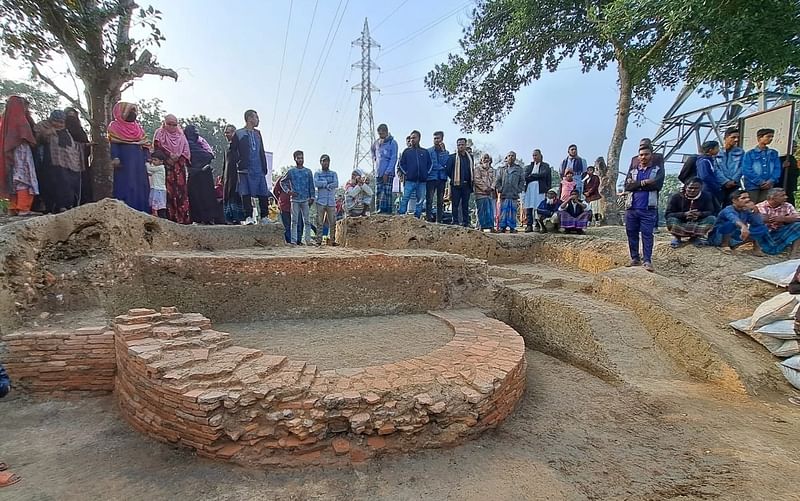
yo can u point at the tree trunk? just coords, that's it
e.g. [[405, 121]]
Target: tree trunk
[[608, 184], [100, 109]]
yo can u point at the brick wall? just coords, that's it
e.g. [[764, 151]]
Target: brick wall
[[181, 382], [59, 362]]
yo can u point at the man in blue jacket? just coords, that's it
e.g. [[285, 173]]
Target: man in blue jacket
[[729, 166], [415, 163], [384, 154], [706, 168], [459, 170], [761, 167], [436, 177]]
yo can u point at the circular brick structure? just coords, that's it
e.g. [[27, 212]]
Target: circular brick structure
[[181, 382]]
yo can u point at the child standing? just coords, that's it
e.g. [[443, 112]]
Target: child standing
[[567, 185], [158, 183]]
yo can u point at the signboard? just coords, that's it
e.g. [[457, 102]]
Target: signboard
[[269, 170], [781, 119]]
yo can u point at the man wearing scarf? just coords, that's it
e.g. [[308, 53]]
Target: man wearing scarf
[[18, 181], [576, 164], [459, 170], [61, 162], [690, 214], [78, 134], [129, 157]]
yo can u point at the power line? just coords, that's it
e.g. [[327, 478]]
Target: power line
[[403, 82], [318, 74], [280, 73], [420, 59], [390, 15], [425, 28], [300, 69]]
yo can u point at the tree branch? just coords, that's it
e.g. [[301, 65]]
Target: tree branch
[[660, 43], [146, 65], [73, 101]]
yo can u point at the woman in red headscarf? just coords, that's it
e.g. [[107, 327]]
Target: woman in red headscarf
[[129, 156], [170, 139], [18, 179]]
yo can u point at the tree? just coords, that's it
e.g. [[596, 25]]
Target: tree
[[94, 35], [42, 102], [150, 115], [653, 43]]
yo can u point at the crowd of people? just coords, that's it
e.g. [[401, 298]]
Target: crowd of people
[[729, 196]]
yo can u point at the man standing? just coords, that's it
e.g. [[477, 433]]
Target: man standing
[[384, 154], [459, 170], [789, 174], [326, 182], [537, 181], [729, 166], [231, 200], [576, 164], [415, 162], [437, 177], [509, 183], [299, 184], [761, 167], [250, 161], [641, 215], [706, 168], [656, 159]]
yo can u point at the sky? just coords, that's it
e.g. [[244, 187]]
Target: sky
[[230, 57]]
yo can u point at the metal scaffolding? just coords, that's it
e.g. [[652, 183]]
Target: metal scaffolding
[[365, 134]]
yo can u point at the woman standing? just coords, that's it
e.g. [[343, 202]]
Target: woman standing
[[61, 159], [129, 156], [18, 179], [78, 134], [203, 205], [170, 139]]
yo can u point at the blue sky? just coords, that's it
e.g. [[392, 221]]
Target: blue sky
[[228, 56]]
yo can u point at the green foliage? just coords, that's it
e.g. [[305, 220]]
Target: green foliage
[[671, 186], [150, 115], [42, 102]]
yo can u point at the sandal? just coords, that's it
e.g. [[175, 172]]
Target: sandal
[[675, 243], [3, 466], [7, 478]]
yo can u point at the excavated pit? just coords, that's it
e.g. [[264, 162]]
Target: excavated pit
[[322, 317]]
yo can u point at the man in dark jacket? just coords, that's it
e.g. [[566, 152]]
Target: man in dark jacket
[[415, 162], [641, 216], [459, 170]]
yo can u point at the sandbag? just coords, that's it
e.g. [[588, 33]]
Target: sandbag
[[770, 343], [791, 375], [792, 363], [780, 307], [782, 329], [789, 348], [780, 274]]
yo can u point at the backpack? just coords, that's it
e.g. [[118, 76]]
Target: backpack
[[689, 169]]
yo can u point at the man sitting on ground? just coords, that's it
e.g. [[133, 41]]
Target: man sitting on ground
[[738, 223], [690, 214], [547, 212], [783, 222], [574, 214], [358, 195]]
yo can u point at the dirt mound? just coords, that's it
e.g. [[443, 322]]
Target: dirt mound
[[67, 261]]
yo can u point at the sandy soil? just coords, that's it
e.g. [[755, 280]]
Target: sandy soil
[[573, 437], [350, 342]]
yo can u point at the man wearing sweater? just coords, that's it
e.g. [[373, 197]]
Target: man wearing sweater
[[436, 177], [415, 163]]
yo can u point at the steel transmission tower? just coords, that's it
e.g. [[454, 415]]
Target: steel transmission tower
[[365, 134]]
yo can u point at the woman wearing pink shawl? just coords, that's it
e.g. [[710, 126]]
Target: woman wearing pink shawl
[[129, 155], [170, 139]]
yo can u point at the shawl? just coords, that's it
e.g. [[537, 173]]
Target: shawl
[[122, 131], [63, 151], [174, 142], [200, 157], [15, 130], [75, 129]]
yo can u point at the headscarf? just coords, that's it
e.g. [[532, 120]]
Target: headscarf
[[173, 141], [192, 134], [74, 126], [199, 156], [15, 129], [122, 131], [64, 139]]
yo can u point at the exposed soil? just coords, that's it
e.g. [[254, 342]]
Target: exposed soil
[[574, 436], [349, 342], [644, 391]]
